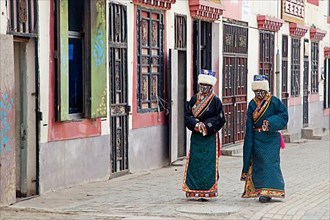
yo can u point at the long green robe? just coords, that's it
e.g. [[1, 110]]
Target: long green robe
[[261, 150], [201, 174]]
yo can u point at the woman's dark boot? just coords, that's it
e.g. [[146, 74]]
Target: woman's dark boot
[[264, 199]]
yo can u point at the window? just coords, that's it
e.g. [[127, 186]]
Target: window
[[180, 32], [266, 57], [150, 60], [295, 67], [81, 59], [202, 48], [315, 67], [327, 83]]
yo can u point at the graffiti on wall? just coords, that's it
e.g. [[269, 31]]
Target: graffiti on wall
[[99, 48], [6, 107]]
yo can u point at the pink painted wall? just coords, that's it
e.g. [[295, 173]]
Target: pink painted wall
[[233, 9], [7, 122]]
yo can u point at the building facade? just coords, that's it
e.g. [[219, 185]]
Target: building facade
[[91, 90]]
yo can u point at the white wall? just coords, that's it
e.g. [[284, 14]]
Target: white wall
[[180, 8], [3, 17], [43, 53]]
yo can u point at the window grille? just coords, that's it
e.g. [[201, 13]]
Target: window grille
[[150, 62]]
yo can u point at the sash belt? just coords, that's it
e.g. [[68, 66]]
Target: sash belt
[[258, 129]]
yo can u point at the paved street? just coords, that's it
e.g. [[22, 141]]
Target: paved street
[[157, 194]]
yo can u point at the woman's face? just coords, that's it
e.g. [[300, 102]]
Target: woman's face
[[260, 94], [204, 88]]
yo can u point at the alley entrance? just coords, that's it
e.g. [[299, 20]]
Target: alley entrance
[[234, 97], [119, 107], [26, 126]]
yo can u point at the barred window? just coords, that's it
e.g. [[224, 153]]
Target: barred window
[[295, 67], [314, 67], [150, 59], [266, 57]]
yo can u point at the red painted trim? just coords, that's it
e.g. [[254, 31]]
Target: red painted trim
[[269, 23], [140, 120], [294, 101], [68, 130], [297, 30], [317, 34], [157, 4], [314, 98], [326, 112], [313, 2], [326, 52], [205, 10]]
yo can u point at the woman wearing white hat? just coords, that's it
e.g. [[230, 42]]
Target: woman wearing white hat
[[261, 172], [204, 116]]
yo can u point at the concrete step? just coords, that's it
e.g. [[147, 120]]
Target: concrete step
[[290, 137], [232, 150], [315, 133]]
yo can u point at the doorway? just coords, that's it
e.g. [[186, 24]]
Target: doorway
[[177, 97], [25, 114]]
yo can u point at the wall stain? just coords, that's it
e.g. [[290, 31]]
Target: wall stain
[[6, 106]]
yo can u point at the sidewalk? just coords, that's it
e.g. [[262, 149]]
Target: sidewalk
[[157, 194]]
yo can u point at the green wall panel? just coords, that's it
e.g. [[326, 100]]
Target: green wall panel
[[98, 60], [63, 62]]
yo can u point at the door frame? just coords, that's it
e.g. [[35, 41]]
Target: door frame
[[28, 117], [118, 90]]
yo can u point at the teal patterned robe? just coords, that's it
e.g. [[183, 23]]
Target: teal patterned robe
[[201, 174], [261, 150]]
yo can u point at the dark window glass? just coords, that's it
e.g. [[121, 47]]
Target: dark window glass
[[76, 15], [75, 76]]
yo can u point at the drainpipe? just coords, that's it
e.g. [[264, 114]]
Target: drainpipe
[[277, 74]]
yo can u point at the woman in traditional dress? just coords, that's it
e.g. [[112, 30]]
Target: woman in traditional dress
[[261, 172], [204, 117]]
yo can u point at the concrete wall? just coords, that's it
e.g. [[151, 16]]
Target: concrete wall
[[316, 117], [7, 121], [148, 148], [70, 162]]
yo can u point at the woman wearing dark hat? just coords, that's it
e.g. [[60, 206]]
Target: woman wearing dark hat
[[204, 117], [261, 172]]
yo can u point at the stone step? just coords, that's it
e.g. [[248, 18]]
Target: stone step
[[315, 133], [233, 150], [291, 137]]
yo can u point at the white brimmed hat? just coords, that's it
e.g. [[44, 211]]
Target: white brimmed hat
[[260, 82], [207, 77]]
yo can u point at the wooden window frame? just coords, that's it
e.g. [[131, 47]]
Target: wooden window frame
[[93, 65], [150, 101]]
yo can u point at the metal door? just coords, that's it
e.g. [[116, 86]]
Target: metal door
[[305, 93], [119, 107], [26, 120], [285, 93], [234, 97]]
